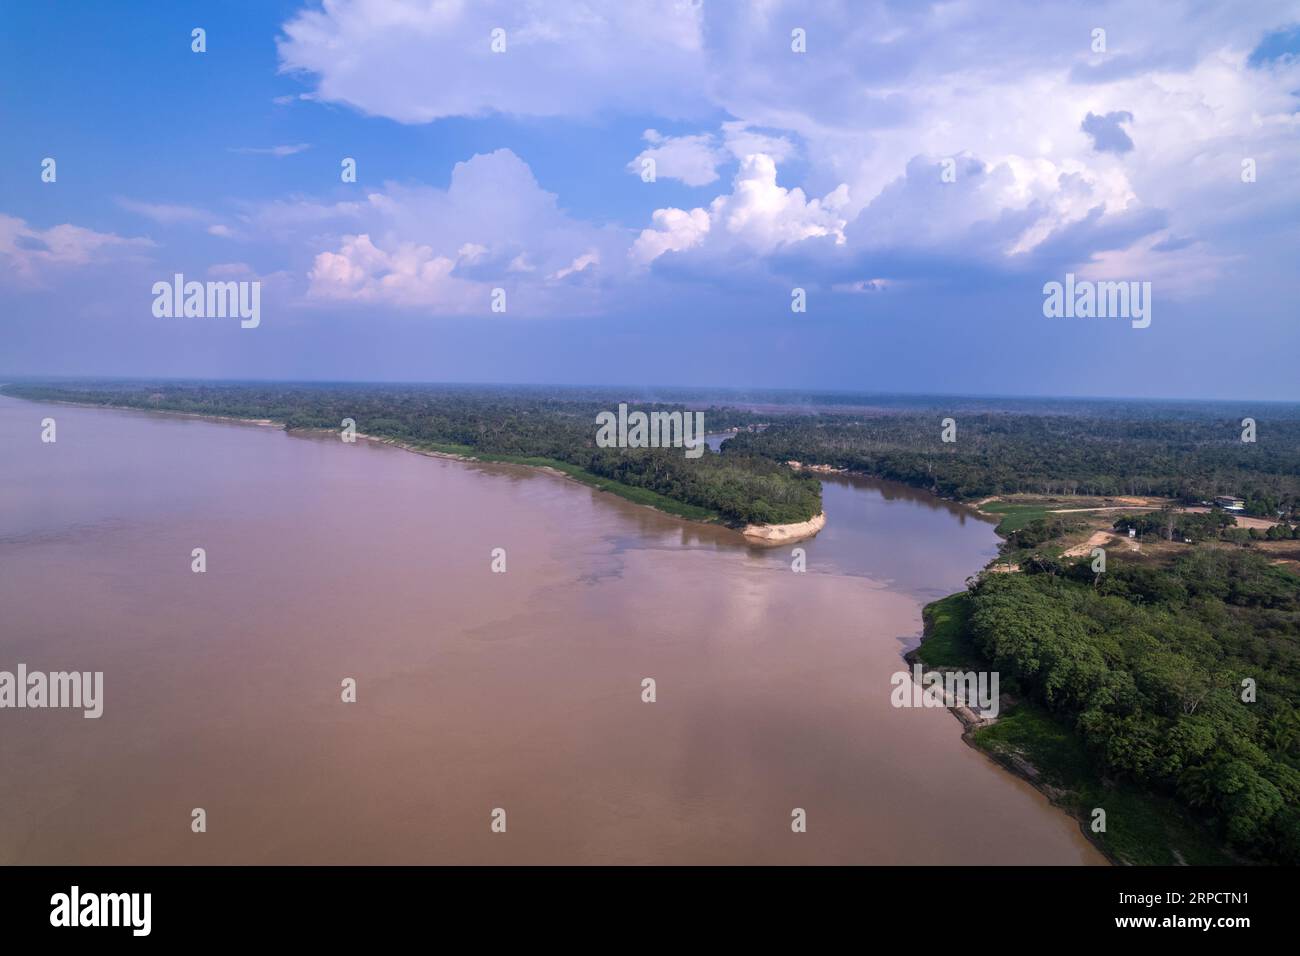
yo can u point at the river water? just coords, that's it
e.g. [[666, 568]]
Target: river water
[[475, 690]]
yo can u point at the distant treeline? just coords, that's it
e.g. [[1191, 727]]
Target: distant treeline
[[1151, 666], [1190, 459], [542, 424]]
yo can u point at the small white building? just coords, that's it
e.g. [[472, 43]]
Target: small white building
[[1229, 503]]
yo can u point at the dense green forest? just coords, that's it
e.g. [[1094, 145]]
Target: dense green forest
[[1187, 458], [1151, 665], [534, 425]]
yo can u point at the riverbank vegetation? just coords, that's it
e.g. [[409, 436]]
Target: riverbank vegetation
[[1165, 691], [1142, 827], [1186, 459], [553, 427]]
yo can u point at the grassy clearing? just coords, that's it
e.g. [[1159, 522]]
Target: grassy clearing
[[1014, 515]]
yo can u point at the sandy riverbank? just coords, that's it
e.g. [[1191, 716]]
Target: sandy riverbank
[[784, 533]]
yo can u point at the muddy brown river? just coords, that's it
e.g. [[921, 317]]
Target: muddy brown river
[[475, 690]]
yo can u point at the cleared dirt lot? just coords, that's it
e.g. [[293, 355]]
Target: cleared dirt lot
[[1100, 539]]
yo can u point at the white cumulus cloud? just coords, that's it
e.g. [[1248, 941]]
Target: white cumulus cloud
[[758, 215]]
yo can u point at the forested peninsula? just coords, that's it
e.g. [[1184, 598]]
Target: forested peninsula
[[530, 426]]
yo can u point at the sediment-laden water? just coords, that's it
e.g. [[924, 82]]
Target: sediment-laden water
[[475, 690]]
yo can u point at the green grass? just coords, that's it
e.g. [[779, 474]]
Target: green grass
[[445, 449], [1142, 829], [1014, 516], [946, 643]]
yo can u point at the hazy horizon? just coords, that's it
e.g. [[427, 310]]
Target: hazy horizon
[[647, 386]]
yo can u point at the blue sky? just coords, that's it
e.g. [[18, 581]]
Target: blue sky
[[775, 169]]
